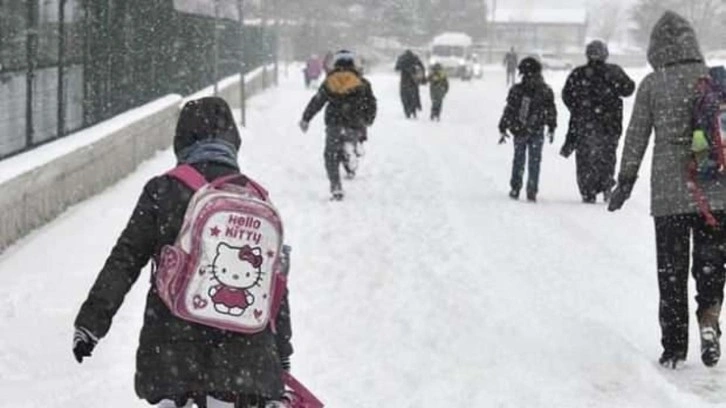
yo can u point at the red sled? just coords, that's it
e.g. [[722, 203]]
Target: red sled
[[297, 395]]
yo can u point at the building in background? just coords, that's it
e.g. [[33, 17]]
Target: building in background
[[561, 31]]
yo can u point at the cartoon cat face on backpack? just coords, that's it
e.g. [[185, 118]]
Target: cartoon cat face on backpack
[[237, 270]]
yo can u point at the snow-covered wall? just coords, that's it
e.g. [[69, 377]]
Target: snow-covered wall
[[37, 186]]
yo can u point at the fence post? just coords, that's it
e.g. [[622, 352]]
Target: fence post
[[31, 50], [215, 69], [61, 64], [276, 44]]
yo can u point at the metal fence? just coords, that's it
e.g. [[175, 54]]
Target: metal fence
[[69, 64]]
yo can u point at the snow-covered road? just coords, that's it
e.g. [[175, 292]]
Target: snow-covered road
[[426, 287]]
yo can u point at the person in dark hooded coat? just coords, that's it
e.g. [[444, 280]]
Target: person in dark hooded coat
[[178, 361], [413, 74], [593, 93], [663, 111], [530, 107]]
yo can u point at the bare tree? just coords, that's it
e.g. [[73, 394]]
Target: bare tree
[[607, 21]]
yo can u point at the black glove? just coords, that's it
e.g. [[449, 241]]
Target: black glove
[[285, 363], [551, 136], [621, 193], [567, 149], [83, 343], [503, 137]]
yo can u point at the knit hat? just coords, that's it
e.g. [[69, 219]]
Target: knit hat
[[597, 51], [344, 59], [529, 66]]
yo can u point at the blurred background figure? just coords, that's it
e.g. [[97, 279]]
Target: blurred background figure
[[312, 71], [413, 74], [510, 63]]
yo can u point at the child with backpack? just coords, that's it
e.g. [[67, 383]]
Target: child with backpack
[[680, 104], [351, 108], [438, 87], [216, 327], [530, 107]]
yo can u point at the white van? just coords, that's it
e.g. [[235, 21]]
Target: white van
[[453, 52]]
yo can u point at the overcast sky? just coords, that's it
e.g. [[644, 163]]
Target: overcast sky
[[518, 4]]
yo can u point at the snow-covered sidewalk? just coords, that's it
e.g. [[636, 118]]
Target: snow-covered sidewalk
[[426, 287]]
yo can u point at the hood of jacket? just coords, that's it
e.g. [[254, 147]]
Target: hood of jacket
[[204, 120], [673, 41], [343, 82]]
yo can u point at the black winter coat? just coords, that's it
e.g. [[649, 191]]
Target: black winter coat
[[176, 357], [349, 97], [410, 67], [530, 107], [593, 93]]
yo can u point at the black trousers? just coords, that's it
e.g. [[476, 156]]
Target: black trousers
[[436, 105], [336, 137], [596, 158], [673, 238]]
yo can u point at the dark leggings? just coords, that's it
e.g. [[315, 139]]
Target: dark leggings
[[336, 137], [673, 237]]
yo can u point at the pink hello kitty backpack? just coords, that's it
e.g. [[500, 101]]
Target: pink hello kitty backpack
[[225, 267]]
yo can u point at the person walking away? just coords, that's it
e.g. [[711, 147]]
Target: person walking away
[[510, 63], [665, 102], [351, 108], [313, 70], [593, 94], [438, 88], [179, 362], [413, 74], [530, 107]]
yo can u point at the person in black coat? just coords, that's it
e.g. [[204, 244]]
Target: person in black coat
[[413, 74], [530, 107], [593, 93], [177, 360], [351, 108]]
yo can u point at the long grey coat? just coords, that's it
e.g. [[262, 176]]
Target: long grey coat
[[664, 103]]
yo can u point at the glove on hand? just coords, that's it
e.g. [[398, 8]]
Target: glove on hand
[[503, 138], [621, 193], [551, 136], [567, 150], [304, 125], [83, 343]]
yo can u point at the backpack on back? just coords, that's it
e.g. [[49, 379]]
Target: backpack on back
[[225, 269], [708, 115], [708, 143]]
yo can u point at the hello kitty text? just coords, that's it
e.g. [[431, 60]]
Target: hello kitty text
[[244, 228]]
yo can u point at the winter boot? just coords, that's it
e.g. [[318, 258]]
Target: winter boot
[[336, 193], [531, 197], [710, 335], [589, 199], [514, 194], [607, 194], [672, 360]]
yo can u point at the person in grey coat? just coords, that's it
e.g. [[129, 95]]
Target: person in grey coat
[[664, 103]]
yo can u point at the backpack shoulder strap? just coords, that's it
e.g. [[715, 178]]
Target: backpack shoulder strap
[[260, 190], [189, 176]]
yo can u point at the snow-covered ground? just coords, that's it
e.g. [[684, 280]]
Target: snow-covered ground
[[426, 287]]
